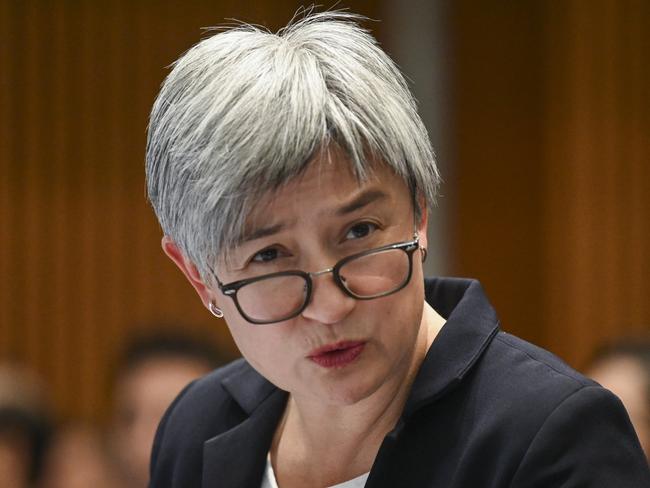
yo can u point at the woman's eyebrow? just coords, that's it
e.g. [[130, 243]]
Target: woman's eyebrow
[[365, 198]]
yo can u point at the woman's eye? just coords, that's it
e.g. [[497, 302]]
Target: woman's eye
[[360, 230], [265, 256]]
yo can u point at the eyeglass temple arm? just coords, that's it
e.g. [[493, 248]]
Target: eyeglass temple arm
[[214, 274]]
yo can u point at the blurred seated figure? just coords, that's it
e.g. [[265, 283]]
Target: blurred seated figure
[[152, 371], [624, 368], [78, 458], [25, 429]]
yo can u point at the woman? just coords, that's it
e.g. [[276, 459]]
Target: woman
[[292, 175]]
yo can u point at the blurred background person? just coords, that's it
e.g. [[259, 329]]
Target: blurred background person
[[152, 371], [78, 458], [25, 428], [624, 368]]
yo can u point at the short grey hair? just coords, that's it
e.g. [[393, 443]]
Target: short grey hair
[[244, 111]]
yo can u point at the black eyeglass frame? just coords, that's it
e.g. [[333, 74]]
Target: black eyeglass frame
[[230, 289]]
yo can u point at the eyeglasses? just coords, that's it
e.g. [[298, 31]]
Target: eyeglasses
[[280, 296]]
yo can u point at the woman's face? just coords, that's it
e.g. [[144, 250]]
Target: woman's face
[[310, 224]]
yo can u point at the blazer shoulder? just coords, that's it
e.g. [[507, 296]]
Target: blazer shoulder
[[598, 446], [522, 384], [553, 425], [532, 363]]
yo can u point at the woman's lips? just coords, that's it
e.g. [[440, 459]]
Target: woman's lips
[[337, 355]]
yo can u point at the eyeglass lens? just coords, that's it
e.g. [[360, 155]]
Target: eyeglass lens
[[367, 276], [375, 274]]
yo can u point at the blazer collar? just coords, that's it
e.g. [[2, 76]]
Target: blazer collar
[[237, 457], [471, 324], [247, 387]]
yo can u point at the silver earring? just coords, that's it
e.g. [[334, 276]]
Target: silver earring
[[424, 253], [217, 312]]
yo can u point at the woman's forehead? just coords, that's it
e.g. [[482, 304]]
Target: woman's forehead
[[328, 186]]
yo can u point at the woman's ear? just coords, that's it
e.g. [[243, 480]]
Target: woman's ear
[[188, 268]]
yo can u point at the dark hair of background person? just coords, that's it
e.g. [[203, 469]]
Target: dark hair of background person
[[25, 423], [32, 427], [167, 343]]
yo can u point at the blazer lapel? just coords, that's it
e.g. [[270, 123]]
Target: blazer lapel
[[237, 457]]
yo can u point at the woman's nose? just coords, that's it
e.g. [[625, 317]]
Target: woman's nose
[[328, 303]]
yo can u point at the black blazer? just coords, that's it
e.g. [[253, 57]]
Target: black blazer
[[486, 410]]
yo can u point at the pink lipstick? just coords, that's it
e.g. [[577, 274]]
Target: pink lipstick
[[337, 355]]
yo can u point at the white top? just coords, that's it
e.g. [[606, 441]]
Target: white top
[[269, 479]]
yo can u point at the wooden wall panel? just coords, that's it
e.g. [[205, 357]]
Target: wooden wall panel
[[551, 184], [549, 189], [80, 262], [496, 181], [5, 200], [597, 184]]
